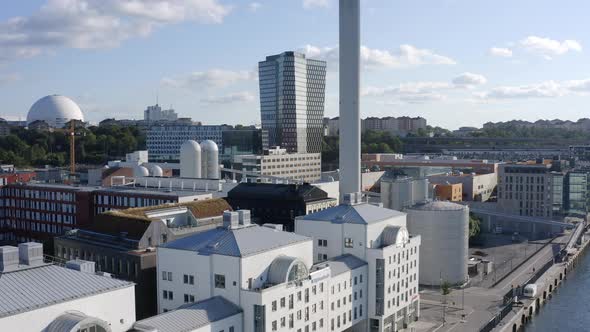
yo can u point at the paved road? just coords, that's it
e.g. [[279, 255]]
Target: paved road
[[523, 273]]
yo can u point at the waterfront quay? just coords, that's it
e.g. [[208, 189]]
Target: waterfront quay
[[524, 308], [498, 304]]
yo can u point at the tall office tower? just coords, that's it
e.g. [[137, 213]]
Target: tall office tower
[[292, 93]]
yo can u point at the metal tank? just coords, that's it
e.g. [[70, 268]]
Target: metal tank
[[140, 171], [156, 170], [210, 162], [400, 193], [444, 228], [190, 160]]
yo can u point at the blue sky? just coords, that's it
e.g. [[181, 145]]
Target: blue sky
[[454, 62]]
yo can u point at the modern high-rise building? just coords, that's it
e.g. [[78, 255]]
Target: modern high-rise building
[[292, 93]]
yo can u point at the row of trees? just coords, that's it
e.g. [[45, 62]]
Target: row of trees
[[516, 131], [94, 145], [371, 142]]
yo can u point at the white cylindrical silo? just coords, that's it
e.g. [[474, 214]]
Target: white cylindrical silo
[[210, 162], [140, 171], [190, 160], [444, 229]]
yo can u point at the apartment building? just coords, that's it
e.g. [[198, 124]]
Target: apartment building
[[530, 190]]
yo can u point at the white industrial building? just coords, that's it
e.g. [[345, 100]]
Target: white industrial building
[[444, 227], [353, 265], [379, 237], [400, 193], [36, 296]]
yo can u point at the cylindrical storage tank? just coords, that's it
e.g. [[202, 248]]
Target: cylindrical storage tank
[[140, 171], [210, 162], [444, 229], [190, 160], [156, 170]]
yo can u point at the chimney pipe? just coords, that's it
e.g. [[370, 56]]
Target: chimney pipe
[[350, 122]]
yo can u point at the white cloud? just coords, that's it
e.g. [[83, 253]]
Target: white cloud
[[213, 78], [548, 48], [9, 78], [548, 89], [89, 24], [405, 56], [579, 86], [501, 52], [254, 6], [238, 97], [310, 4], [469, 80], [412, 93]]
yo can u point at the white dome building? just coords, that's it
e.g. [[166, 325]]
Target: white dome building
[[55, 110]]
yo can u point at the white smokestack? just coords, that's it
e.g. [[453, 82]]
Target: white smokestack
[[350, 121]]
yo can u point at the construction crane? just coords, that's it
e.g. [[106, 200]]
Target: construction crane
[[72, 150], [72, 147]]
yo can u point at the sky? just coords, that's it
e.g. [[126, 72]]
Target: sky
[[454, 62]]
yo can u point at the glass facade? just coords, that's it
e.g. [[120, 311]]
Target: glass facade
[[292, 93], [575, 193], [241, 142]]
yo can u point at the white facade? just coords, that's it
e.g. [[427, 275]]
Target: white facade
[[155, 113], [37, 296], [444, 227], [400, 193], [379, 237], [117, 308], [322, 278], [278, 163]]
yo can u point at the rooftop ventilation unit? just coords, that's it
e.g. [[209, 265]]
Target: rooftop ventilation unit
[[244, 218], [81, 265], [30, 253], [231, 219], [8, 258]]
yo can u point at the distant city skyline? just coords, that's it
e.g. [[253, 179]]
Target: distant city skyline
[[454, 62]]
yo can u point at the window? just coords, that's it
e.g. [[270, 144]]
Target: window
[[219, 281], [322, 243], [274, 325], [165, 294], [164, 275], [191, 280], [283, 321], [170, 295], [282, 302], [348, 243], [169, 276], [274, 305], [231, 329]]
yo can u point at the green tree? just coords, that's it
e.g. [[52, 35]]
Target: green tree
[[474, 225]]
